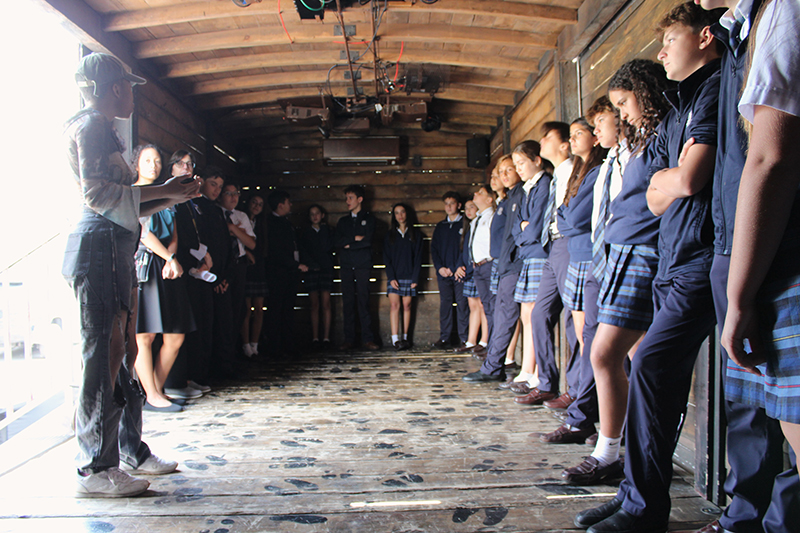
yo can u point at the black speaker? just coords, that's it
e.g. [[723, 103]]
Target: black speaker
[[478, 152]]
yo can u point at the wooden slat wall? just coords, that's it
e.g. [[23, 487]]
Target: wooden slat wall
[[536, 108], [294, 163]]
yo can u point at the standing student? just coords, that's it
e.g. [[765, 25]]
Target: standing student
[[531, 233], [255, 279], [479, 248], [163, 301], [242, 238], [759, 489], [316, 249], [283, 275], [679, 192], [763, 280], [477, 318], [582, 414], [555, 148], [402, 255], [445, 255], [353, 241], [99, 265], [628, 258], [506, 310]]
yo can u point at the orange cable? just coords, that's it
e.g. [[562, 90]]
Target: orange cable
[[280, 14], [397, 65]]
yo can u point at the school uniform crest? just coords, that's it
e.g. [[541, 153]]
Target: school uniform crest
[[461, 231], [363, 222], [500, 211]]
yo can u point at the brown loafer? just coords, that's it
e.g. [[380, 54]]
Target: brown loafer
[[371, 346], [535, 397], [507, 383], [520, 387], [562, 402], [564, 435], [591, 440], [463, 348], [589, 472], [346, 347]]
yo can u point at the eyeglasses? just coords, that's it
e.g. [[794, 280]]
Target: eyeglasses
[[231, 193], [184, 164]]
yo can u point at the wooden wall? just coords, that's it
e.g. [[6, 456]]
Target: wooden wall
[[294, 163], [537, 107]]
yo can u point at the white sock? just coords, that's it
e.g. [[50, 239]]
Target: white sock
[[522, 376], [533, 381], [395, 338], [248, 350], [254, 347], [607, 450], [405, 336], [484, 344], [470, 344]]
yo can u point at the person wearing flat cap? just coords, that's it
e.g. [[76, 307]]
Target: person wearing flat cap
[[99, 265]]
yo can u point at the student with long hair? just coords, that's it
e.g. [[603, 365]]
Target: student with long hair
[[628, 260], [163, 301], [316, 248], [477, 317], [402, 254], [255, 289]]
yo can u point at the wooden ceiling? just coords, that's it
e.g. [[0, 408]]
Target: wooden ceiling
[[237, 63]]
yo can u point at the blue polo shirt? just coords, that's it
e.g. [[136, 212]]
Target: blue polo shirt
[[575, 219], [631, 221], [731, 138], [686, 232], [510, 261], [529, 240]]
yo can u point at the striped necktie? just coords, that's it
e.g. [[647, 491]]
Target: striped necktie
[[599, 244], [549, 212]]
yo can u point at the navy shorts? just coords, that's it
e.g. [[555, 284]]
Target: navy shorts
[[626, 296]]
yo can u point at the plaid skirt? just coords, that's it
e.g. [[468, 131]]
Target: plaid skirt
[[404, 290], [626, 295], [495, 279], [318, 281], [528, 281], [470, 289], [778, 390], [576, 279]]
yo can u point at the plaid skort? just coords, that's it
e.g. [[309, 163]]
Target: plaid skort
[[470, 289], [318, 281], [778, 390], [528, 281], [495, 279], [404, 290], [576, 279], [626, 295]]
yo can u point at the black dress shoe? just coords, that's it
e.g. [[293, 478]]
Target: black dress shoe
[[480, 377], [440, 345], [624, 522], [592, 516]]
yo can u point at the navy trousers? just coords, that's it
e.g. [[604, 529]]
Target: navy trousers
[[582, 413], [544, 317], [661, 376], [452, 292], [355, 292], [764, 497], [506, 314], [279, 318], [483, 279]]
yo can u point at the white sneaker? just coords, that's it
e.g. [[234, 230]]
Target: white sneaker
[[186, 393], [196, 386], [153, 465], [111, 483]]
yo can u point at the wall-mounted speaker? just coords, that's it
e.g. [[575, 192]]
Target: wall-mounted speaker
[[478, 152]]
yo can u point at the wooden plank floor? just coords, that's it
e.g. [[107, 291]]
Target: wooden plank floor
[[361, 443]]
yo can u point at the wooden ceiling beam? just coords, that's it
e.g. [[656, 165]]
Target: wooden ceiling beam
[[459, 108], [317, 57], [483, 96], [317, 34], [194, 11]]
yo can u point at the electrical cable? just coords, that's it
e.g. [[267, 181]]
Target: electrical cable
[[280, 14], [397, 65], [320, 8]]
